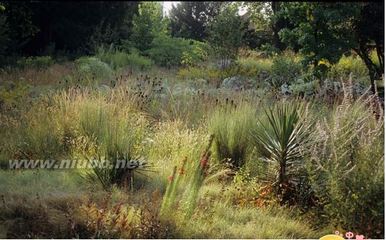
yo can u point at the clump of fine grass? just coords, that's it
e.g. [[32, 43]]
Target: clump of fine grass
[[231, 128], [117, 135], [171, 143], [346, 166], [38, 134]]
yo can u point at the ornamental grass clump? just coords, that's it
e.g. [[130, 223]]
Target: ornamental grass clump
[[347, 165], [231, 126]]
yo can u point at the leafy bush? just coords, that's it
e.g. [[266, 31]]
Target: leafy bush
[[231, 128], [137, 61], [251, 67], [92, 67], [281, 137], [347, 166], [285, 69], [37, 62], [167, 51], [116, 59], [195, 55], [225, 34]]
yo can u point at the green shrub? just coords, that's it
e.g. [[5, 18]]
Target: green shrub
[[347, 167], [196, 54], [285, 70], [167, 51], [118, 59], [115, 59], [251, 67], [137, 61], [38, 62], [346, 66], [231, 128], [93, 68], [281, 138]]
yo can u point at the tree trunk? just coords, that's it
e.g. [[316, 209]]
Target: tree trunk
[[277, 25], [375, 72]]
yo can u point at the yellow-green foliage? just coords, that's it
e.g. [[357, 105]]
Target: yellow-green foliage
[[349, 64], [251, 67], [194, 56], [374, 57], [194, 73], [13, 94], [248, 67]]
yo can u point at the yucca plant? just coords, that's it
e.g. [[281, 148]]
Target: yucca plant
[[281, 138]]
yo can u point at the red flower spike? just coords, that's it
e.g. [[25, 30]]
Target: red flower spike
[[170, 178]]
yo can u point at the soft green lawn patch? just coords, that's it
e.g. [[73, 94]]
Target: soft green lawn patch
[[224, 221], [42, 182]]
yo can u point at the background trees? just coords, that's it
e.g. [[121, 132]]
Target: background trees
[[66, 26], [147, 24], [190, 19], [226, 33], [325, 31]]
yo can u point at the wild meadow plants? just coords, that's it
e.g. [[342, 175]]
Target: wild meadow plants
[[215, 162]]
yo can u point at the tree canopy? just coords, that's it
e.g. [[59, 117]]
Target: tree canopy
[[190, 19]]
